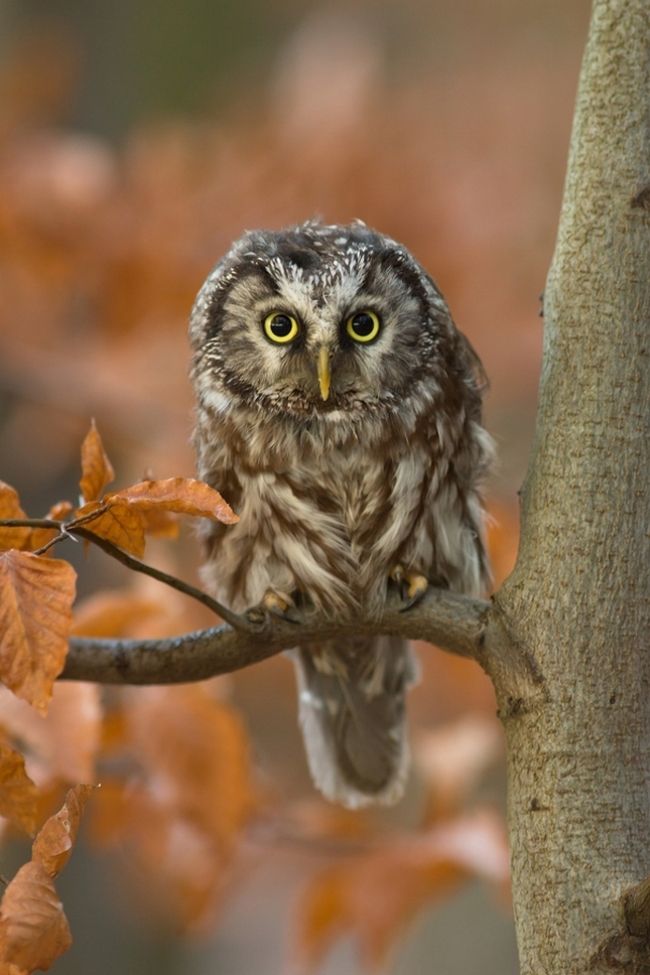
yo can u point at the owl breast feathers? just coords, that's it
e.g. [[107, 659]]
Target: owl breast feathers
[[339, 412]]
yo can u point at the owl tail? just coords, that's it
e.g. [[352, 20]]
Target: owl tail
[[352, 713]]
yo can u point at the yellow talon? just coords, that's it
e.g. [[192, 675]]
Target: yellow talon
[[412, 585], [276, 602]]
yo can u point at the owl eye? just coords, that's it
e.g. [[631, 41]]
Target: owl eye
[[280, 328], [363, 326]]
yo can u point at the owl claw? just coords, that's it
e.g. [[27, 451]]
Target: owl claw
[[412, 586], [273, 603]]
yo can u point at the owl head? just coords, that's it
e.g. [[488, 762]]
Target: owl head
[[321, 322]]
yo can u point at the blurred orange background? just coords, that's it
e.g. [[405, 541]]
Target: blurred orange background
[[136, 142]]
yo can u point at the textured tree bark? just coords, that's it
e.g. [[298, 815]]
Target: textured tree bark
[[579, 600]]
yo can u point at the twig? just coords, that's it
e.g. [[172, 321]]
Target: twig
[[73, 528], [236, 621], [30, 523], [53, 541]]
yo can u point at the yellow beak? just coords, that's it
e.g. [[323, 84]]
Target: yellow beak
[[324, 371]]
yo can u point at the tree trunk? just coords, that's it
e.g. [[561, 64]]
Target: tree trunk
[[579, 600]]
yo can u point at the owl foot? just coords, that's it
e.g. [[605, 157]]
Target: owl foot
[[274, 603], [412, 586]]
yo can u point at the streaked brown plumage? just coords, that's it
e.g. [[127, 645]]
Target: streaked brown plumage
[[334, 493]]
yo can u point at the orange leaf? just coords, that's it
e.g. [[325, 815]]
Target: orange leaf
[[199, 755], [62, 745], [183, 495], [174, 865], [10, 508], [453, 758], [53, 845], [6, 968], [115, 614], [18, 794], [36, 596], [317, 820], [96, 469], [34, 930], [184, 813], [375, 895], [117, 522], [160, 523]]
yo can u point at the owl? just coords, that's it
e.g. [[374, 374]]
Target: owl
[[339, 412]]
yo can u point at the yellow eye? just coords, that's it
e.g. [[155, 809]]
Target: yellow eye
[[363, 326], [280, 327]]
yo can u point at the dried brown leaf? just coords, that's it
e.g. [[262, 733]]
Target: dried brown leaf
[[117, 522], [115, 614], [182, 495], [175, 865], [453, 758], [34, 930], [18, 794], [53, 844], [18, 538], [62, 746], [96, 469], [375, 895], [199, 756], [6, 968], [183, 814], [160, 523], [36, 596]]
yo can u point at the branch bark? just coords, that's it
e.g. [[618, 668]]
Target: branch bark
[[459, 624], [579, 599]]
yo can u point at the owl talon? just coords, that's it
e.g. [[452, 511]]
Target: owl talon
[[412, 586], [273, 603]]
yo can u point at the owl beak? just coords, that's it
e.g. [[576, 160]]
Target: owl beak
[[324, 374]]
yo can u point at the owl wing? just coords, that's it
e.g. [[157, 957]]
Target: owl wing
[[215, 466]]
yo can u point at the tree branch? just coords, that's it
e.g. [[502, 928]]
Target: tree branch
[[74, 528], [236, 621], [458, 624]]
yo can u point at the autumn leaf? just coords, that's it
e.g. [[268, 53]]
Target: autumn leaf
[[18, 794], [172, 862], [124, 516], [375, 895], [36, 596], [17, 538], [62, 745], [53, 845], [183, 814], [159, 523], [199, 756], [182, 495], [315, 820], [34, 930], [452, 759], [115, 614], [6, 968], [96, 469], [115, 521]]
